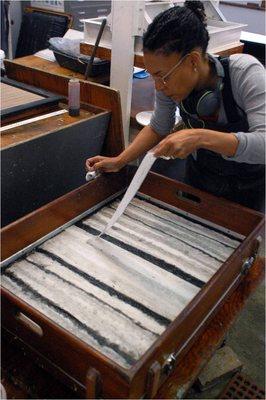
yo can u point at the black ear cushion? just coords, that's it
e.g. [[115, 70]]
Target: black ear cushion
[[208, 104], [203, 103], [189, 105]]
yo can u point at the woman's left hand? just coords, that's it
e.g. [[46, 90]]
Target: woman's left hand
[[179, 144]]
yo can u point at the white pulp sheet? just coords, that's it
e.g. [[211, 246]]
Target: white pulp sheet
[[119, 293]]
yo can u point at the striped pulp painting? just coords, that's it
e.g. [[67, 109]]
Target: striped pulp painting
[[119, 293]]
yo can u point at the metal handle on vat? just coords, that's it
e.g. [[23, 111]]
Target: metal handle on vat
[[247, 264], [186, 196], [28, 323]]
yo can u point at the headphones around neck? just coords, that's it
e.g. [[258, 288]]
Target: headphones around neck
[[205, 102]]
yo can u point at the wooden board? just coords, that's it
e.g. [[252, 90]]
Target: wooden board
[[12, 96], [105, 54], [54, 68]]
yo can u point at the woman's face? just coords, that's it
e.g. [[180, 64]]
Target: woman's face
[[174, 75]]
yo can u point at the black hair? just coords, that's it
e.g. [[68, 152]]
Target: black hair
[[178, 29]]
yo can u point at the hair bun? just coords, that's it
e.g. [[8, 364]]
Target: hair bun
[[198, 8]]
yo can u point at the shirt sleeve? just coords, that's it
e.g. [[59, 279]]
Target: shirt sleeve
[[248, 86], [163, 117]]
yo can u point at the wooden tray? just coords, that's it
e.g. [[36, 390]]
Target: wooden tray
[[83, 365]]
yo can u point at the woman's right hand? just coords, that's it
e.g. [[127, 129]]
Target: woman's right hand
[[104, 164]]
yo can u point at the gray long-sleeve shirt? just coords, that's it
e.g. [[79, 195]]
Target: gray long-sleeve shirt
[[248, 87]]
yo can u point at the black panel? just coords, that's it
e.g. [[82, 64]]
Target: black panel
[[43, 169], [36, 30]]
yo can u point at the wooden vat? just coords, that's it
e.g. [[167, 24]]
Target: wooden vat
[[87, 365]]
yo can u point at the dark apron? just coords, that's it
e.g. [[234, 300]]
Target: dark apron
[[239, 182]]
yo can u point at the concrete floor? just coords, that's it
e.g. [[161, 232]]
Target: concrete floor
[[247, 339]]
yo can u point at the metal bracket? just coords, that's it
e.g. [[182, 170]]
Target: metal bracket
[[169, 364], [247, 264]]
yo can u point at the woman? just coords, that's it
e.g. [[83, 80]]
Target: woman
[[221, 102]]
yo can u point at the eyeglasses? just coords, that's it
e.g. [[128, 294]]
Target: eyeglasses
[[162, 79]]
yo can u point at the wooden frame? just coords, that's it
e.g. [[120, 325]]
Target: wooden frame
[[12, 114], [85, 366]]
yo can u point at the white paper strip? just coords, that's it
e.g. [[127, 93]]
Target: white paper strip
[[134, 186], [30, 120]]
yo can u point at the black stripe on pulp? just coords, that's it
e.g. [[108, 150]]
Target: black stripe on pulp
[[113, 292], [172, 236], [212, 228], [154, 260], [98, 337], [184, 227], [45, 270]]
